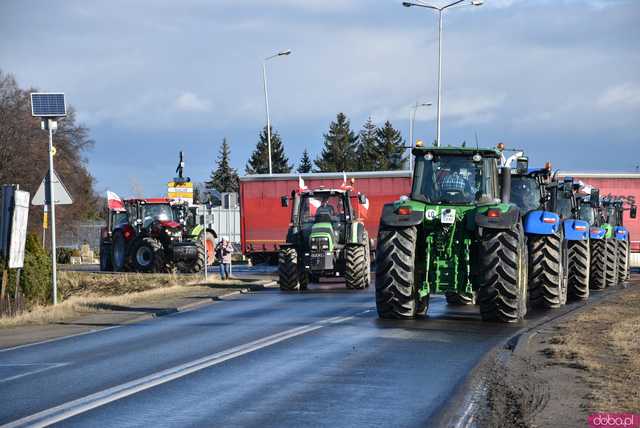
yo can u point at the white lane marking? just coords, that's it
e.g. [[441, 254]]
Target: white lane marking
[[57, 339], [84, 404], [43, 367]]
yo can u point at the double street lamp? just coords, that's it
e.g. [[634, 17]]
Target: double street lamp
[[440, 10], [266, 99]]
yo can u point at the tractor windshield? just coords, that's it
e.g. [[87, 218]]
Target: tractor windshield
[[525, 193], [454, 179], [587, 213], [153, 212], [563, 205], [322, 207]]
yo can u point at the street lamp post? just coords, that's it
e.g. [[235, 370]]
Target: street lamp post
[[412, 120], [266, 99], [440, 10]]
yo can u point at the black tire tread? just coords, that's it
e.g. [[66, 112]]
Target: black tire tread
[[498, 275], [395, 275], [355, 262], [579, 262], [545, 270], [288, 269]]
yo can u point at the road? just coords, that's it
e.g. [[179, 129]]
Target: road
[[321, 358]]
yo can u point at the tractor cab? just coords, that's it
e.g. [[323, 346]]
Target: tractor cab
[[455, 176], [326, 233]]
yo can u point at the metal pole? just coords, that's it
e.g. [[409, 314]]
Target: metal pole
[[439, 77], [412, 118], [52, 206], [206, 257], [266, 103]]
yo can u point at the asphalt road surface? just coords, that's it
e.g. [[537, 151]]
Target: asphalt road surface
[[321, 358]]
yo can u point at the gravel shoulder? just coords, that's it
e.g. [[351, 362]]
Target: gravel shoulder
[[561, 372]]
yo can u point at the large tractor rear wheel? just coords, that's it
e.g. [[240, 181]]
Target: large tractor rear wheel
[[148, 256], [197, 264], [288, 269], [502, 275], [548, 271], [611, 275], [598, 271], [396, 294], [105, 258], [579, 263], [355, 271], [623, 260], [119, 252]]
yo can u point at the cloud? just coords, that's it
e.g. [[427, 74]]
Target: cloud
[[190, 102], [624, 96]]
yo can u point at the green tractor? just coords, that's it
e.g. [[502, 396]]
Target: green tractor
[[326, 238], [457, 233]]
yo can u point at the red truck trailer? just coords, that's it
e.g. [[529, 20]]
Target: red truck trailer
[[620, 185], [264, 222]]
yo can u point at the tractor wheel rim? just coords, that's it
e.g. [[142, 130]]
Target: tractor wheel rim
[[144, 256]]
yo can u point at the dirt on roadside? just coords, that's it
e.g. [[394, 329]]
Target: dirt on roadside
[[586, 363]]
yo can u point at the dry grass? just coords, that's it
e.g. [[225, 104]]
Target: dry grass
[[603, 341], [86, 293]]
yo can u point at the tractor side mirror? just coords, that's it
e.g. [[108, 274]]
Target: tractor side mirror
[[633, 212], [522, 165], [362, 198], [594, 198], [284, 201]]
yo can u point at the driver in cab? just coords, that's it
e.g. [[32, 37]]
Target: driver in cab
[[455, 182], [326, 208]]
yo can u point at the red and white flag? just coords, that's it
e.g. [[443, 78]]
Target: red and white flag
[[114, 202], [364, 208], [301, 184], [314, 204]]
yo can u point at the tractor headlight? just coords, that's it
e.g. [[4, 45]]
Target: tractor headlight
[[320, 244]]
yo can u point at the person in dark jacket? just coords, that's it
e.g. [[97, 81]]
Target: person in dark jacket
[[224, 249]]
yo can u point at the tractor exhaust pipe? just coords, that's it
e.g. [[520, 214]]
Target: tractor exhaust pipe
[[505, 195]]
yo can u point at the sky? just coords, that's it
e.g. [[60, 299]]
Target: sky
[[557, 78]]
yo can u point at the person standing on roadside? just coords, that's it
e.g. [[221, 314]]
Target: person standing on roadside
[[224, 249]]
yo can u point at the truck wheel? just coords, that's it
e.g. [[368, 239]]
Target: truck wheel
[[105, 258], [547, 285], [396, 295], [598, 271], [459, 299], [502, 275], [148, 256], [119, 252], [623, 261], [354, 274], [611, 275], [288, 269], [579, 262]]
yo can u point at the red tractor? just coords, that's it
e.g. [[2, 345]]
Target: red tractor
[[145, 235]]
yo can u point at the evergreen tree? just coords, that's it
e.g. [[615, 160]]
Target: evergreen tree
[[224, 178], [259, 161], [368, 153], [340, 145], [305, 163], [390, 144]]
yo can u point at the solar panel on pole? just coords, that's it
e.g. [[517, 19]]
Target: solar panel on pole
[[48, 104]]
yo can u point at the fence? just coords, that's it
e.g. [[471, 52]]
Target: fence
[[226, 222]]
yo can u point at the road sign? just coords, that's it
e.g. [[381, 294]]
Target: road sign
[[60, 192], [18, 229], [180, 192]]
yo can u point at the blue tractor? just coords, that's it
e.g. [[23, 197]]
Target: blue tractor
[[613, 210], [535, 192], [576, 233], [601, 267]]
